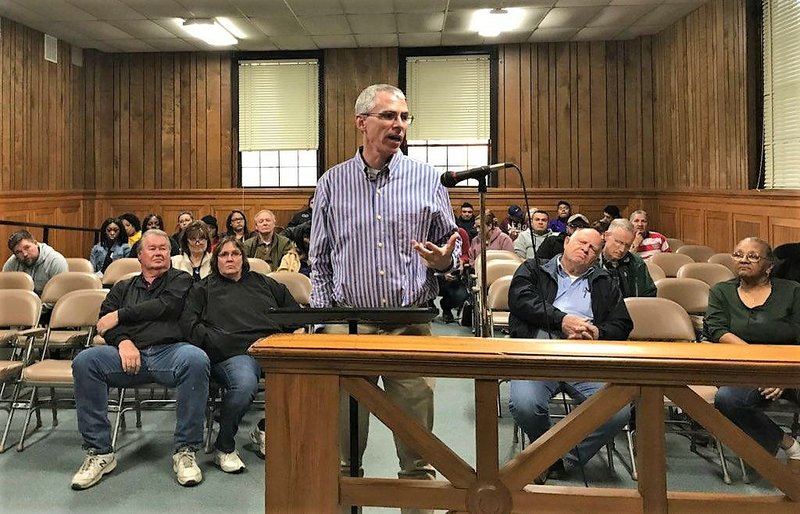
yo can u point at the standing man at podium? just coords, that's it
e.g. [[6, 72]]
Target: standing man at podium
[[382, 225]]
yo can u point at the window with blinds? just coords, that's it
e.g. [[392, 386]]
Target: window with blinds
[[279, 122], [781, 33], [450, 98]]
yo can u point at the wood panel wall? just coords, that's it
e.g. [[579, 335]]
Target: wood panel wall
[[577, 115], [161, 121], [347, 73], [704, 118], [41, 116]]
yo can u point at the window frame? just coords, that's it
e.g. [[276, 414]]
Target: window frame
[[278, 55], [491, 51]]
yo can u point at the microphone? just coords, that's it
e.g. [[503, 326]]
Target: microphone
[[451, 178]]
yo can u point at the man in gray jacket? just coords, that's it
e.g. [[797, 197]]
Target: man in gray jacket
[[525, 246], [38, 260]]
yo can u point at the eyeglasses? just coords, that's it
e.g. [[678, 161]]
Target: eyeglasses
[[391, 116], [750, 257], [198, 241]]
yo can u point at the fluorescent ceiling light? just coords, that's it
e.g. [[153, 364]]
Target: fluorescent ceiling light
[[209, 31], [491, 22]]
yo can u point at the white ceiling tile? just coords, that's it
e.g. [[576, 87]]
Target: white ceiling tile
[[107, 9], [665, 15], [245, 28], [458, 21], [461, 39], [335, 41], [294, 42], [170, 45], [279, 26], [411, 6], [256, 46], [372, 23], [428, 22], [22, 14], [57, 10], [596, 33], [635, 31], [158, 9], [532, 17], [132, 45], [171, 25], [142, 29], [102, 46], [368, 6], [99, 30], [209, 8], [261, 7], [581, 3], [315, 7], [508, 37], [484, 4], [420, 39], [569, 17], [618, 16], [549, 35], [376, 40], [325, 25], [66, 33], [636, 2]]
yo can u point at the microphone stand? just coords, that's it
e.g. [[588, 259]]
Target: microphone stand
[[483, 319]]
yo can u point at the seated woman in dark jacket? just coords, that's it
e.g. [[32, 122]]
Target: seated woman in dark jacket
[[755, 308]]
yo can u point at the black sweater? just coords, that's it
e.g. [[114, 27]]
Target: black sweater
[[225, 317], [148, 315]]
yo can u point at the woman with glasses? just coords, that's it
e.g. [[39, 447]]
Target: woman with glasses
[[195, 257], [113, 245], [155, 221], [755, 308], [236, 225]]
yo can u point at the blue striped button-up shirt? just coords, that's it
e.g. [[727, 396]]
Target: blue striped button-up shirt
[[362, 229]]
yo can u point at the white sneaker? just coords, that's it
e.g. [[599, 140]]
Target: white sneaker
[[92, 470], [229, 462], [184, 463], [259, 439]]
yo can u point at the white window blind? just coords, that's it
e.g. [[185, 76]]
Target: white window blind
[[449, 97], [278, 105], [781, 44]]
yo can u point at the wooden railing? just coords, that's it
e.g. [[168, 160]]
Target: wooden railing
[[304, 374]]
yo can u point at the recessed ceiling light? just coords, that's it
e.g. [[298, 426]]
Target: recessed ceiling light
[[491, 22]]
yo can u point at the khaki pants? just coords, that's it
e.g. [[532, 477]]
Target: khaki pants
[[412, 394]]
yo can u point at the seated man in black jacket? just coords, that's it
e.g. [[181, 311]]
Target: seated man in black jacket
[[225, 313], [554, 245], [139, 320], [566, 298]]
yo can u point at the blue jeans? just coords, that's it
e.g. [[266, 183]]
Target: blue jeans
[[530, 406], [180, 365], [745, 407], [239, 376]]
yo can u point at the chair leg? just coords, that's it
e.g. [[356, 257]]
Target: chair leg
[[138, 403], [53, 406], [634, 473], [610, 454], [12, 410], [119, 410], [34, 401], [745, 475], [726, 477]]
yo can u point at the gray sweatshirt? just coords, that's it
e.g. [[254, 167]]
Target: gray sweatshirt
[[49, 264], [525, 248]]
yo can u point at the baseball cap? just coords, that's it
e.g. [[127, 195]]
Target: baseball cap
[[578, 221], [515, 211]]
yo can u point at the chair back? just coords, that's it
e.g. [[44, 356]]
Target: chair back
[[698, 253], [16, 280], [674, 243], [670, 262], [658, 319], [708, 272], [78, 309], [298, 285], [502, 254], [689, 293], [119, 268], [259, 266], [656, 273], [19, 308], [725, 259], [499, 268], [79, 264], [63, 283], [497, 297]]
